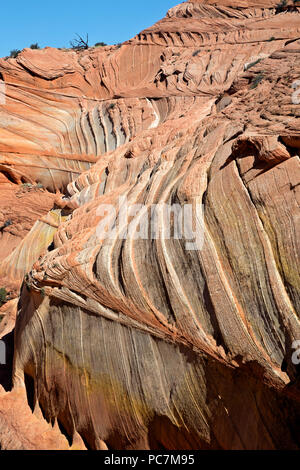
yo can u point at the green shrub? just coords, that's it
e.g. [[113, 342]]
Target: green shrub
[[7, 223], [281, 6], [14, 53], [35, 46], [257, 80], [98, 44], [252, 64], [3, 296]]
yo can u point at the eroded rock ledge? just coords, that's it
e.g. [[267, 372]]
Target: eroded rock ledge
[[142, 344]]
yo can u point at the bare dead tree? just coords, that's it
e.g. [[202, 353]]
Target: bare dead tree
[[80, 43]]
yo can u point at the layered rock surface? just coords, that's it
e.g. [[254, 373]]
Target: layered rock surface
[[140, 343]]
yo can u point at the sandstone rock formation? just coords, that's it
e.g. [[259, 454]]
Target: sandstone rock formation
[[140, 343]]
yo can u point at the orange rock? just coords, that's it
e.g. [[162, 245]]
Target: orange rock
[[135, 342], [22, 430]]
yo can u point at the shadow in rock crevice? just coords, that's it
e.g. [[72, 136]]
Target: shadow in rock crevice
[[7, 347]]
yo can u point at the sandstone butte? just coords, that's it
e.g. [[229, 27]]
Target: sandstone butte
[[138, 343]]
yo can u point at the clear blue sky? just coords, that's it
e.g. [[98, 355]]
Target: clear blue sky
[[55, 22]]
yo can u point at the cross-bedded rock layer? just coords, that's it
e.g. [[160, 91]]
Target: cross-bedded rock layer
[[132, 343]]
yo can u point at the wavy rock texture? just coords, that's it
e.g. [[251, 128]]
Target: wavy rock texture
[[133, 343]]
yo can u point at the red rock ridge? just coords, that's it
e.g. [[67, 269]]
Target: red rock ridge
[[140, 343]]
